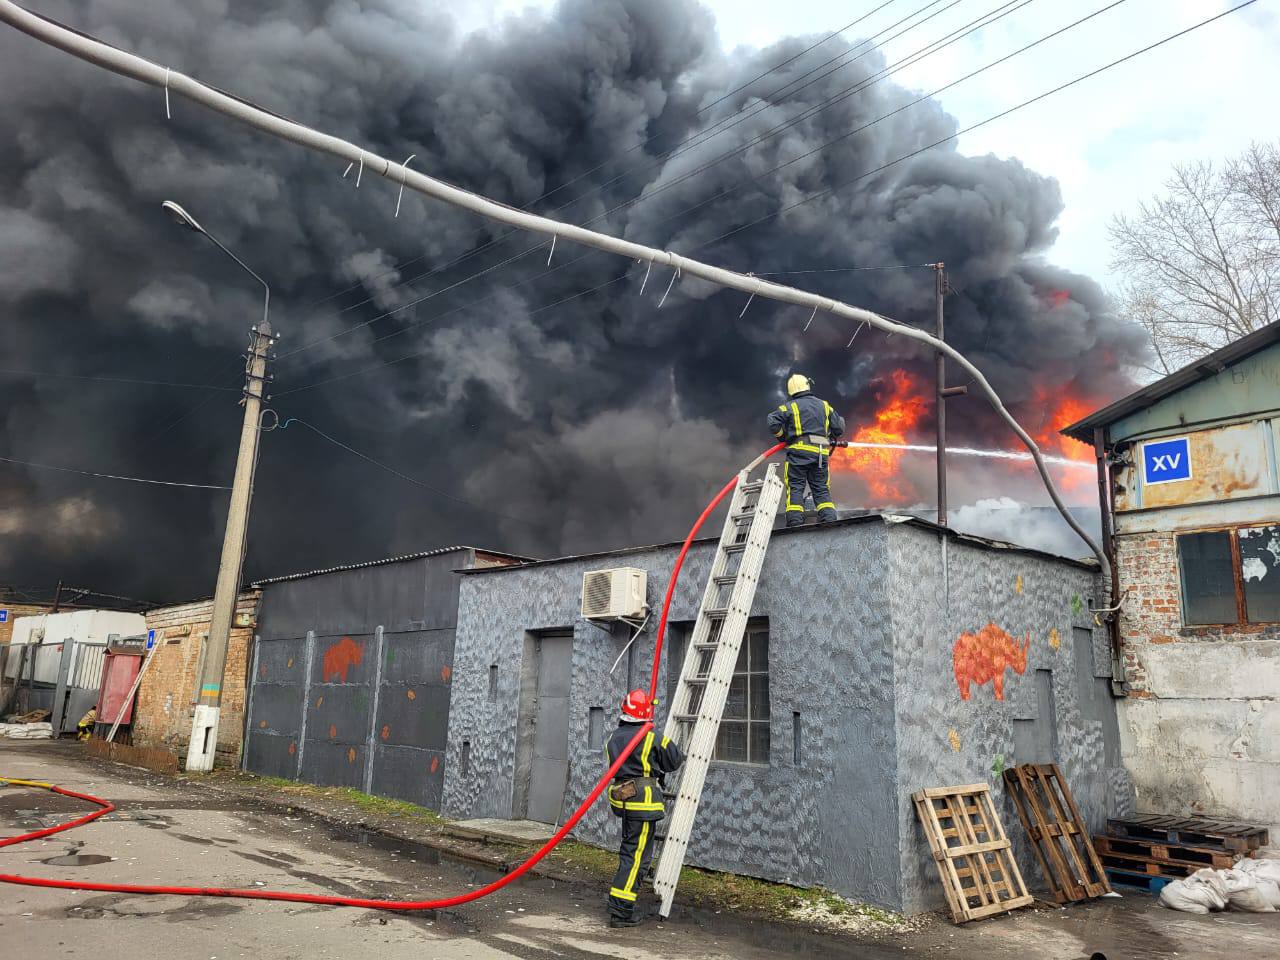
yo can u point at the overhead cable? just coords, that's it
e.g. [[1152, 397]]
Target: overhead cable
[[112, 476], [130, 65]]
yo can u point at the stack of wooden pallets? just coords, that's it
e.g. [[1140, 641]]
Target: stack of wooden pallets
[[1150, 851]]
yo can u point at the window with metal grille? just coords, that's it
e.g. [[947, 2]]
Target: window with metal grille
[[744, 726]]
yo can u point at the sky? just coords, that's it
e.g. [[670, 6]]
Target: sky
[[1109, 141], [553, 409]]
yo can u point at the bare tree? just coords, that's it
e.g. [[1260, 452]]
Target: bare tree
[[1201, 262]]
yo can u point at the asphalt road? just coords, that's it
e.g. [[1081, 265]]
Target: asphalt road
[[171, 833], [174, 832]]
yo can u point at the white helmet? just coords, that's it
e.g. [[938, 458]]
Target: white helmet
[[798, 383]]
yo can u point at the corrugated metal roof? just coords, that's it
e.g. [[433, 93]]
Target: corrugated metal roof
[[1152, 393], [970, 538], [377, 563]]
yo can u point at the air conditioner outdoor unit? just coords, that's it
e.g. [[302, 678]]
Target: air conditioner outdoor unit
[[617, 594]]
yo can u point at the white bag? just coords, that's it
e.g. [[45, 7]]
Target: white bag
[[1201, 892], [1270, 890], [27, 731], [1261, 869], [1243, 892]]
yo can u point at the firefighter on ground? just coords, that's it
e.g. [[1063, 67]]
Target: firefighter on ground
[[808, 426], [636, 797]]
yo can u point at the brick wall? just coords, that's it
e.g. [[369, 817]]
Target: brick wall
[[1201, 725], [17, 610], [162, 717]]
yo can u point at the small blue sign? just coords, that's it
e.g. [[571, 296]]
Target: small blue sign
[[151, 639], [4, 616], [1164, 461]]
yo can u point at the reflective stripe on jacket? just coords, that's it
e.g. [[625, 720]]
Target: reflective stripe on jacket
[[650, 760], [803, 416]]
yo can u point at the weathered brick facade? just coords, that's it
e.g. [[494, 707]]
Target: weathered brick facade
[[162, 717]]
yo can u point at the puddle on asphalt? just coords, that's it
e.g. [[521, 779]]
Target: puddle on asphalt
[[77, 860], [406, 848]]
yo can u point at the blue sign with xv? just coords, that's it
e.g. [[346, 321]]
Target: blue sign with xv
[[1164, 461], [151, 639], [4, 616]]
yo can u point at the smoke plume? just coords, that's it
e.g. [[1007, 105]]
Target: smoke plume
[[567, 420]]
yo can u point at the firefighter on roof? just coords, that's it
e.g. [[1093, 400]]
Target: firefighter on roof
[[808, 426], [636, 797]]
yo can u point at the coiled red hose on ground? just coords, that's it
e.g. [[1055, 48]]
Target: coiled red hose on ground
[[105, 806]]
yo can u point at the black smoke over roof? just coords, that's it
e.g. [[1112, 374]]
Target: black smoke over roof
[[569, 421]]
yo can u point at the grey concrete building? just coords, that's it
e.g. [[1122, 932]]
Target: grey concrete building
[[350, 671], [1192, 515], [861, 681]]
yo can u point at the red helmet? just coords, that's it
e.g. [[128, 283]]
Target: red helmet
[[637, 706]]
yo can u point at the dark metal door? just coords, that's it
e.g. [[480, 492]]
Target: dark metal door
[[549, 772]]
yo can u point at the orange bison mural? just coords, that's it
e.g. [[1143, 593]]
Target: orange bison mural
[[984, 656]]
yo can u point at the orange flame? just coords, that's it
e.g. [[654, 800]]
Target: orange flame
[[1062, 410], [902, 405]]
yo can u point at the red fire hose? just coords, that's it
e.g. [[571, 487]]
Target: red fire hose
[[105, 806]]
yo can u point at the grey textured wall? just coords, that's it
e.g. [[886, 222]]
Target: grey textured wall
[[831, 821], [1024, 596], [860, 645], [386, 695]]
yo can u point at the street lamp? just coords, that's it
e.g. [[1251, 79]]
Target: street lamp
[[181, 217], [208, 710]]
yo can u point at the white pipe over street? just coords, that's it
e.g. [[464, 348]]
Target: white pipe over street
[[138, 68]]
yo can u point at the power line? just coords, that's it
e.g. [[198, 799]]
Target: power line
[[982, 123], [846, 183], [706, 135], [738, 89], [112, 476], [126, 380], [403, 476], [843, 94], [916, 57], [796, 273], [465, 306], [956, 35]]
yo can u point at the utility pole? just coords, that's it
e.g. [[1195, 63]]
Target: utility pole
[[204, 721], [942, 394], [204, 727], [57, 598]]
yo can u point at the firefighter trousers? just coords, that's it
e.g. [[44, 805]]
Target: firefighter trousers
[[634, 854], [810, 470]]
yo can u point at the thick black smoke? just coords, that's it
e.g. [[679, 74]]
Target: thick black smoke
[[588, 423]]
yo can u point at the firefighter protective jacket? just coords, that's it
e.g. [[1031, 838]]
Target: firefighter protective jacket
[[655, 756], [802, 417]]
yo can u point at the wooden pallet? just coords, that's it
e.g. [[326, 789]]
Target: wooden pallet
[[1058, 835], [1171, 853], [979, 875], [1236, 837]]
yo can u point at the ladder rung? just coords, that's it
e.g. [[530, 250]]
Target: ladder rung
[[716, 611], [735, 547], [727, 579], [739, 517], [751, 486], [685, 717], [705, 646], [698, 680]]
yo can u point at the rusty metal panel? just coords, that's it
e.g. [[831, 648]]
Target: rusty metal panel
[[1227, 463]]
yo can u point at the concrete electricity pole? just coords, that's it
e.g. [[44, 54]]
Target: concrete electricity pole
[[204, 725]]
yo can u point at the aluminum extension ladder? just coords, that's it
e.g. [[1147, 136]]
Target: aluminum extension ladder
[[693, 719]]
